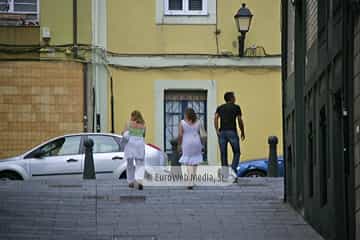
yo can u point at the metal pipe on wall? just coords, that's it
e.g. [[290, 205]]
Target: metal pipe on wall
[[86, 97], [75, 28], [112, 105], [284, 50]]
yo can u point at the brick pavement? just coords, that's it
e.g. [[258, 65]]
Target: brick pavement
[[252, 209]]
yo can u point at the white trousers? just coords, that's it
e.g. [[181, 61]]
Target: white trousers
[[135, 171], [135, 154]]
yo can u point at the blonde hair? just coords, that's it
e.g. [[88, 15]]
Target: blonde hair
[[137, 117]]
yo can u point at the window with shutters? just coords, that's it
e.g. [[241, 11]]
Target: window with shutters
[[185, 7], [20, 6], [19, 12]]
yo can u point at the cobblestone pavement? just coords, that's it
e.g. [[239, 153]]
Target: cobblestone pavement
[[252, 209]]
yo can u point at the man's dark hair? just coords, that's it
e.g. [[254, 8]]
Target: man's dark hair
[[228, 96]]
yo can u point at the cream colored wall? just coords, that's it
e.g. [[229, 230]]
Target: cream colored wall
[[132, 29], [84, 21], [58, 16], [19, 36], [258, 92]]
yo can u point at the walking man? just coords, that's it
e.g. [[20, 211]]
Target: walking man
[[228, 113]]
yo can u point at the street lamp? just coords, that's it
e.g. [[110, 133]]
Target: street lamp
[[243, 21]]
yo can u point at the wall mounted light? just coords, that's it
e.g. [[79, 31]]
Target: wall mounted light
[[243, 19]]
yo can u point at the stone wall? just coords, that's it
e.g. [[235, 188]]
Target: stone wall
[[38, 101]]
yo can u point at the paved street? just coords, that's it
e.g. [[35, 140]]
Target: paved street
[[252, 209]]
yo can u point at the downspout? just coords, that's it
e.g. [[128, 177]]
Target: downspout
[[75, 29], [85, 104], [217, 31], [284, 50], [94, 111], [112, 105]]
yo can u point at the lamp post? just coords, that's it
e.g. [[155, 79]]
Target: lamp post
[[243, 21]]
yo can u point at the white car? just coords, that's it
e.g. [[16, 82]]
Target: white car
[[64, 156]]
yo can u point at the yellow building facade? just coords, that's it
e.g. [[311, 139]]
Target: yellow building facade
[[154, 54], [257, 92], [138, 27], [150, 57]]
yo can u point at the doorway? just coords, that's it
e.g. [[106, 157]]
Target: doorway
[[175, 104]]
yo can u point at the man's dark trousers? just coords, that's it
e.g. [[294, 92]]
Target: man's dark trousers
[[225, 137]]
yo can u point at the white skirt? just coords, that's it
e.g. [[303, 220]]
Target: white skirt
[[191, 160], [135, 148]]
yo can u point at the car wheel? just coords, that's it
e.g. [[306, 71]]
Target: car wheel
[[255, 173], [8, 176]]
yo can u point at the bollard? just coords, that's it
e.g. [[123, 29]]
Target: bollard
[[273, 170], [174, 158], [89, 168]]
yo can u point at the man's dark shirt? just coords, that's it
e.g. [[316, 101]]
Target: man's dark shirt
[[228, 113]]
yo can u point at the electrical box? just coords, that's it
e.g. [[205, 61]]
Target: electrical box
[[46, 34]]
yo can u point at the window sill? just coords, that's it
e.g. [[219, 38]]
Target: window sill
[[19, 19], [19, 13], [205, 17], [184, 14]]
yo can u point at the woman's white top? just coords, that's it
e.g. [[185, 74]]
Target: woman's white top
[[135, 147]]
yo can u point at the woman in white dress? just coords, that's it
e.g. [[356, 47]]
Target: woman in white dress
[[190, 143], [135, 150]]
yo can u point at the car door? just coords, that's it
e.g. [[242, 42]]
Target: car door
[[108, 155], [60, 157]]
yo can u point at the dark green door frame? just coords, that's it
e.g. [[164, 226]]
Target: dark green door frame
[[300, 33]]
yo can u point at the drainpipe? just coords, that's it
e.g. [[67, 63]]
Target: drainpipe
[[86, 91], [75, 29], [284, 50], [112, 105], [93, 108]]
